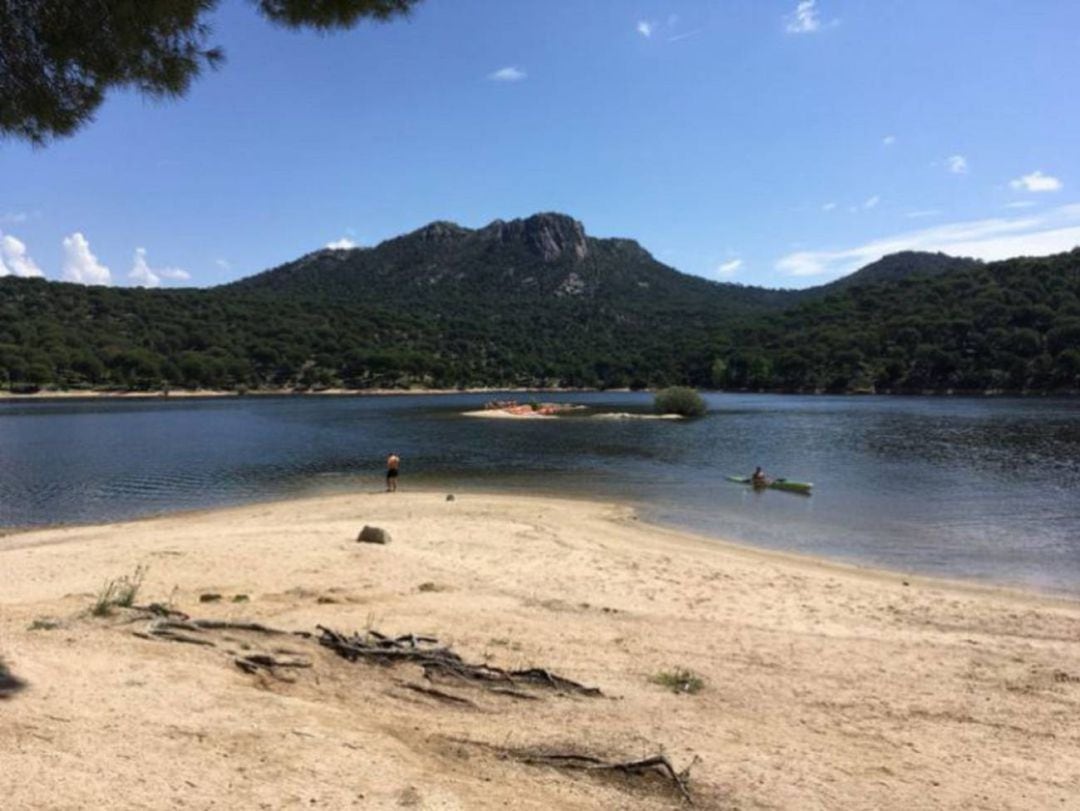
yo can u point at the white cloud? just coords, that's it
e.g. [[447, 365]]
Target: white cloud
[[1036, 182], [13, 217], [728, 269], [871, 202], [828, 207], [957, 164], [645, 28], [224, 264], [924, 212], [15, 261], [142, 275], [1000, 238], [343, 244], [888, 140], [510, 73], [1021, 204], [804, 19], [80, 265]]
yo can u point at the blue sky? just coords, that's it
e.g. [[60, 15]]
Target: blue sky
[[779, 143]]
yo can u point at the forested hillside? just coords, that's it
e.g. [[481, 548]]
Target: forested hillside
[[537, 302], [523, 303], [1012, 325]]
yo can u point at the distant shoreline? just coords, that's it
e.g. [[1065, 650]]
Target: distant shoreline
[[208, 394], [198, 394]]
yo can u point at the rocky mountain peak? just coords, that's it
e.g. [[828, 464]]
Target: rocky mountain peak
[[551, 236]]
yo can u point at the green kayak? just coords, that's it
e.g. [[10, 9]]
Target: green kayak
[[777, 484]]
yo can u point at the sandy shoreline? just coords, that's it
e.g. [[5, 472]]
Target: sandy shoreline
[[826, 686], [184, 394]]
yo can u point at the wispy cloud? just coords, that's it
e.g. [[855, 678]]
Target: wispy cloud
[[687, 35], [871, 202], [224, 264], [828, 207], [14, 259], [80, 264], [343, 244], [1021, 204], [1036, 182], [999, 238], [142, 275], [645, 28], [804, 19], [923, 212], [510, 73], [957, 164], [728, 269], [13, 217], [888, 140]]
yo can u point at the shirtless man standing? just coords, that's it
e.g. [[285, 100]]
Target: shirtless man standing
[[392, 463]]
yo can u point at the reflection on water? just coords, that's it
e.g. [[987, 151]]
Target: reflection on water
[[963, 487]]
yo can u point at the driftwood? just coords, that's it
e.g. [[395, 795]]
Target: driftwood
[[161, 610], [261, 661], [657, 764], [447, 698], [440, 661], [225, 625]]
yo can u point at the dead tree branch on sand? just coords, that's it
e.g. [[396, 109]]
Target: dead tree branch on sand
[[657, 764], [440, 661]]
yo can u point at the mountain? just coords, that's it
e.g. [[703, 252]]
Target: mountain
[[901, 265], [537, 301], [542, 259]]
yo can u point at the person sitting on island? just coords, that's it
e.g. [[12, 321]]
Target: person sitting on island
[[392, 463], [758, 479]]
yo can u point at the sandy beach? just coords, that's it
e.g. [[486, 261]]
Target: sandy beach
[[189, 394], [825, 686]]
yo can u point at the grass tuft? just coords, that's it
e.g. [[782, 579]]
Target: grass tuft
[[119, 593], [44, 624], [679, 680]]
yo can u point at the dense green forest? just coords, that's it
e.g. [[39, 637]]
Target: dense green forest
[[536, 302], [1003, 326]]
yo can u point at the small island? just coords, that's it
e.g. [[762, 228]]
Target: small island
[[512, 409]]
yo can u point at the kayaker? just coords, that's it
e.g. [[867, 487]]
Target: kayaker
[[759, 479]]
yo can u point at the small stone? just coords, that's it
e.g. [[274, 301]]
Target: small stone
[[373, 535], [450, 497], [209, 598]]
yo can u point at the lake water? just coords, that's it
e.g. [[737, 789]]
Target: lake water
[[977, 488]]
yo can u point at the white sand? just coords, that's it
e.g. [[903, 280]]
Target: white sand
[[826, 686]]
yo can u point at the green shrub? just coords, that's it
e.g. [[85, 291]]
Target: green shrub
[[679, 680], [680, 400]]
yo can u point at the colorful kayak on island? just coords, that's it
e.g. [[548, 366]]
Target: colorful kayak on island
[[776, 484]]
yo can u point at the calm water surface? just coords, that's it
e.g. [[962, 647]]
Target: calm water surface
[[979, 488]]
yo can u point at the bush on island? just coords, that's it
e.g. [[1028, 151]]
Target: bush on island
[[680, 400]]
